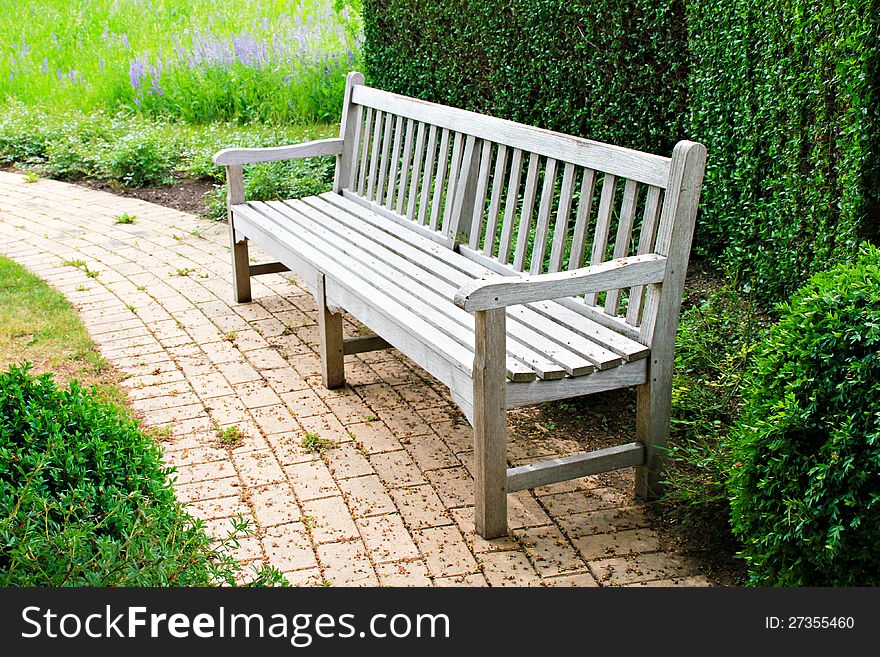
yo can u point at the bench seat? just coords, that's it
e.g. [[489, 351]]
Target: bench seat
[[413, 279]]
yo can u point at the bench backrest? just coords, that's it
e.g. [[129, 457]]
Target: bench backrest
[[521, 199]]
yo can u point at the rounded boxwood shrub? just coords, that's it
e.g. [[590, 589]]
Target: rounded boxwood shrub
[[806, 483], [85, 500]]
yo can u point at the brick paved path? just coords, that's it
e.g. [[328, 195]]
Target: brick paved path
[[390, 502]]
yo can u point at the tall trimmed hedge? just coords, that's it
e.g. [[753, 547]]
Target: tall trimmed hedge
[[784, 94], [611, 70]]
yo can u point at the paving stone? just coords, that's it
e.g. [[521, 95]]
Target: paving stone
[[311, 480], [347, 564], [387, 538], [639, 568], [288, 547], [329, 519], [421, 507], [445, 551], [397, 469], [366, 496], [258, 468], [274, 504], [403, 573], [508, 569]]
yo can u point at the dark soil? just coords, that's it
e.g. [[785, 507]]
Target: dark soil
[[186, 194]]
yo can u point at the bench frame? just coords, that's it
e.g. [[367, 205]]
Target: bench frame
[[489, 394]]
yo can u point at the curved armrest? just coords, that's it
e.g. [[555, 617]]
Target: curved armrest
[[319, 148], [485, 294]]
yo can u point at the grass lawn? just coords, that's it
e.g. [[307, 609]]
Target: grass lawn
[[38, 325]]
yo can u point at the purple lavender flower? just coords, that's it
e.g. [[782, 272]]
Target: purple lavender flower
[[44, 68], [136, 72]]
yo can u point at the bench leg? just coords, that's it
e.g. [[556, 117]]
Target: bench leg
[[241, 270], [652, 430], [490, 424], [332, 348], [241, 266]]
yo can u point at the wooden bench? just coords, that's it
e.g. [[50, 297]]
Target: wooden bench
[[516, 265]]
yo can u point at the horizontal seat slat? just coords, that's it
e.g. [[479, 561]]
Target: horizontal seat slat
[[602, 346]]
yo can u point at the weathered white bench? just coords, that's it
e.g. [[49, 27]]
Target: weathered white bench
[[514, 264]]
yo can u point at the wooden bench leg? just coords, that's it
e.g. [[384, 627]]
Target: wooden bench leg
[[241, 266], [241, 274], [332, 348], [652, 429], [490, 424]]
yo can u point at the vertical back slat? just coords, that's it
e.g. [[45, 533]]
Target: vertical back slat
[[543, 225], [646, 245], [525, 219], [395, 163], [510, 206], [465, 183], [384, 163], [405, 165], [453, 178], [495, 200], [603, 225], [624, 237], [374, 154], [416, 172], [582, 219], [362, 174], [442, 165], [355, 153], [480, 194], [428, 173], [560, 229]]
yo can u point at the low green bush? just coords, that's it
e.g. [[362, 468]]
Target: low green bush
[[137, 161], [717, 335], [806, 484], [85, 499], [134, 151]]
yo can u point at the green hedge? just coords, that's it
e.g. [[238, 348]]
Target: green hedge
[[806, 484], [613, 71], [785, 96], [85, 500]]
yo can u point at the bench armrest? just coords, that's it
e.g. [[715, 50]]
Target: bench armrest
[[489, 293], [319, 148]]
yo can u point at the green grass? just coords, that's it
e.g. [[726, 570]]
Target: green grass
[[37, 324], [197, 60]]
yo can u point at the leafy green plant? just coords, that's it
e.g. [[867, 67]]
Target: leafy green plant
[[314, 444], [125, 218], [86, 501], [31, 177], [806, 483], [138, 161], [230, 436], [716, 338]]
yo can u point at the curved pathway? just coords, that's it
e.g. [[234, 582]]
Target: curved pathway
[[389, 502]]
